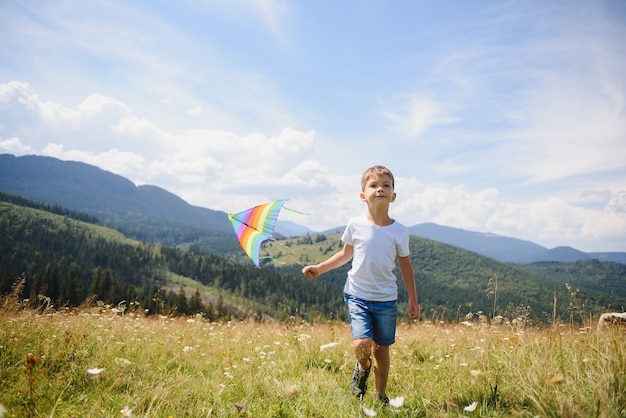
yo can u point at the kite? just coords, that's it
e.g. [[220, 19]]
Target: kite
[[255, 225]]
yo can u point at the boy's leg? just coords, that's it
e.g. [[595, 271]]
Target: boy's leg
[[381, 368], [386, 317], [362, 351], [363, 348]]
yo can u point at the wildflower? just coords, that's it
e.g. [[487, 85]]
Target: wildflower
[[477, 373], [187, 349], [126, 412], [556, 379], [369, 412], [291, 390], [397, 402], [122, 361], [239, 407], [329, 345], [95, 371], [472, 407]]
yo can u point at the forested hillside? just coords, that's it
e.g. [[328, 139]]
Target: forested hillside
[[606, 277], [64, 262], [65, 259], [453, 282]]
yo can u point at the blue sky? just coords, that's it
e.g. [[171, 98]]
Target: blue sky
[[495, 116]]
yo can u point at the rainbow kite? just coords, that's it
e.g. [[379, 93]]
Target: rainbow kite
[[255, 225]]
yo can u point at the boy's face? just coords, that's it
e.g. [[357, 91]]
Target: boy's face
[[378, 190]]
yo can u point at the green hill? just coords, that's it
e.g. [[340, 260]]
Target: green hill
[[606, 277], [453, 282], [67, 260]]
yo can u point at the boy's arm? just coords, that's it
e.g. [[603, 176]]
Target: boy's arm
[[337, 260], [406, 269]]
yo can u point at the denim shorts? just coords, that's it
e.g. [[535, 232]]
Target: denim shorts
[[375, 320]]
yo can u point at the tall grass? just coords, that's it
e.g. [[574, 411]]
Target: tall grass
[[96, 362]]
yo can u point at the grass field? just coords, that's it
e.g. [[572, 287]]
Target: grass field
[[100, 362]]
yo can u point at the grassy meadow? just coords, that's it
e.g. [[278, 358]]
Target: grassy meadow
[[102, 361]]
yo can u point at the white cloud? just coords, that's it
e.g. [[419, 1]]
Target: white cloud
[[568, 132], [272, 13], [418, 115], [140, 128], [617, 203], [114, 160], [445, 205], [14, 146], [11, 89], [195, 111], [553, 221], [95, 106]]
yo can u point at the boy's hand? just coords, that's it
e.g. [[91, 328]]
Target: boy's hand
[[414, 310], [310, 272]]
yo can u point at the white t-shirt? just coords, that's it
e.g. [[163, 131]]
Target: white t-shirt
[[376, 248]]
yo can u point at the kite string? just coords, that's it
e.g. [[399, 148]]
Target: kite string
[[290, 254], [294, 211]]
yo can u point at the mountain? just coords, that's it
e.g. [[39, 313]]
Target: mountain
[[88, 189], [616, 257], [151, 213], [564, 254], [143, 212], [490, 245], [510, 250], [291, 229]]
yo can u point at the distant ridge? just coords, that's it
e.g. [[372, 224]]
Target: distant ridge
[[491, 245], [136, 210], [510, 250]]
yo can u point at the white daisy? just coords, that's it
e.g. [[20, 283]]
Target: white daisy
[[472, 407], [369, 412], [329, 345], [397, 402]]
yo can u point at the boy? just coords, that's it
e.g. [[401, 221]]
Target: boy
[[373, 242]]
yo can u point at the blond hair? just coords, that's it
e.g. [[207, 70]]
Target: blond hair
[[377, 170]]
